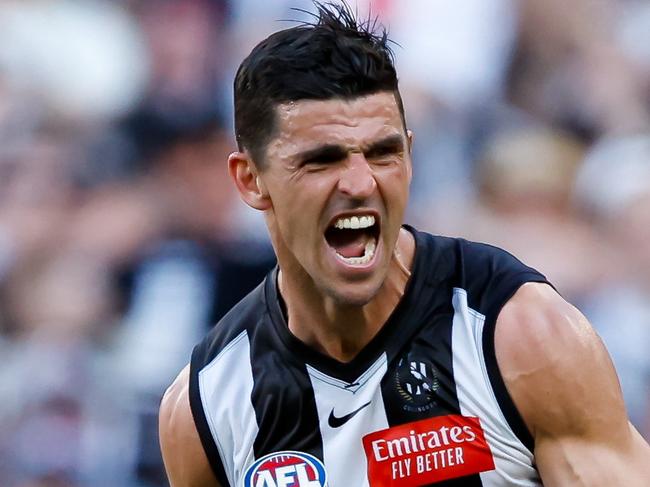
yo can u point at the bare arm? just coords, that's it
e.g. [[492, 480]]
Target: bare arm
[[183, 454], [565, 387]]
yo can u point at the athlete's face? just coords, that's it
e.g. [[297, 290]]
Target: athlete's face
[[336, 178]]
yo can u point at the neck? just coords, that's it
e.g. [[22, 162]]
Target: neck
[[342, 331]]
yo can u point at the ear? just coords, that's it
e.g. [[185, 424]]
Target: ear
[[409, 136], [248, 182]]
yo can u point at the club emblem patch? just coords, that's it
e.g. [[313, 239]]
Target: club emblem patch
[[417, 383], [286, 469]]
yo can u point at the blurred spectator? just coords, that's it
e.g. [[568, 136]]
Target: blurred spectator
[[463, 58], [570, 70], [186, 50], [524, 179], [118, 233], [76, 60], [613, 188], [200, 265]]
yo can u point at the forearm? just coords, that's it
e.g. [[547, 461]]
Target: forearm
[[578, 462]]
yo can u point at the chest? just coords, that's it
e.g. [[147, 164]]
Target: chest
[[426, 415]]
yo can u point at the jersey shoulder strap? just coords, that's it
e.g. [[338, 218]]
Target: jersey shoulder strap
[[491, 276]]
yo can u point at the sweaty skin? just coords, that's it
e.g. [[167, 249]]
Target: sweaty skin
[[554, 365], [564, 385]]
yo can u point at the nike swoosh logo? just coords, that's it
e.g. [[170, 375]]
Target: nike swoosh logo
[[336, 422]]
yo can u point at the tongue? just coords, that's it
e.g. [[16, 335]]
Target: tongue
[[349, 243]]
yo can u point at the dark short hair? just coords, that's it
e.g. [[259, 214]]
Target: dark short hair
[[336, 56]]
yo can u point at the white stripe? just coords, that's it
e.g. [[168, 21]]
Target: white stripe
[[342, 447], [513, 461], [233, 428]]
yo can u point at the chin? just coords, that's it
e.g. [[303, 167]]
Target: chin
[[353, 294]]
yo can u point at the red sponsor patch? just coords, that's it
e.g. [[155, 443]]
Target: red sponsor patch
[[427, 451]]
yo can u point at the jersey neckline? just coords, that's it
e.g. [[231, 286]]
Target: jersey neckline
[[390, 338]]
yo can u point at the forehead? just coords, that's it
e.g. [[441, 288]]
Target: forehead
[[353, 122]]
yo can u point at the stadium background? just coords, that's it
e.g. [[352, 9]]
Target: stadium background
[[122, 240]]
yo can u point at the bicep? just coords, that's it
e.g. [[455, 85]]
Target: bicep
[[185, 461], [565, 387]]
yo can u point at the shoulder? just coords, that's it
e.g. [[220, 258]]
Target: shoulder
[[489, 275], [564, 385], [185, 460], [473, 260], [486, 259], [547, 352]]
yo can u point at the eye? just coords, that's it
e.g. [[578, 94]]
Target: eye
[[385, 151], [325, 157], [385, 154], [322, 159]]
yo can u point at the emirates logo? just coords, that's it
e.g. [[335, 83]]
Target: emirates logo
[[427, 452]]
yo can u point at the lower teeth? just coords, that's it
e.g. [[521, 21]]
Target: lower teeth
[[368, 253]]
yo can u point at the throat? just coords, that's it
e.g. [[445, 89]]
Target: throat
[[338, 330], [341, 336]]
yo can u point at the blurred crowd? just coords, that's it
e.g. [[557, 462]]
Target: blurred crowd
[[122, 239]]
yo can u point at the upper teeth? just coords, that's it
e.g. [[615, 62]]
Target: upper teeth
[[355, 222]]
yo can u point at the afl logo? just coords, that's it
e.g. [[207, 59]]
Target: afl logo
[[286, 469]]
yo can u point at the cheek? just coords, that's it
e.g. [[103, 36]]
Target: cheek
[[298, 210], [393, 183]]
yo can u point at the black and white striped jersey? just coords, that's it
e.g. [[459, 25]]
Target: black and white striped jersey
[[422, 404]]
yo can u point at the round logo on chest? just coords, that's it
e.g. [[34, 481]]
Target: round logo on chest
[[417, 383], [286, 469]]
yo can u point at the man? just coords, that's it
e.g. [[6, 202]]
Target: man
[[377, 355]]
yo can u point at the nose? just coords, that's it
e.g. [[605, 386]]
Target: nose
[[357, 179]]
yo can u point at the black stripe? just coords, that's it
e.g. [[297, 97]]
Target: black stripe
[[429, 322], [283, 399], [432, 347], [491, 276], [201, 421]]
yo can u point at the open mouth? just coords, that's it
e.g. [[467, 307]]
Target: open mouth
[[354, 238]]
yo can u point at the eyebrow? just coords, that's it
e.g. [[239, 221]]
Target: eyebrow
[[392, 143], [327, 152], [336, 152]]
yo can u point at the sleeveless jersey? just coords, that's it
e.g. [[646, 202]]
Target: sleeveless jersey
[[422, 404]]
